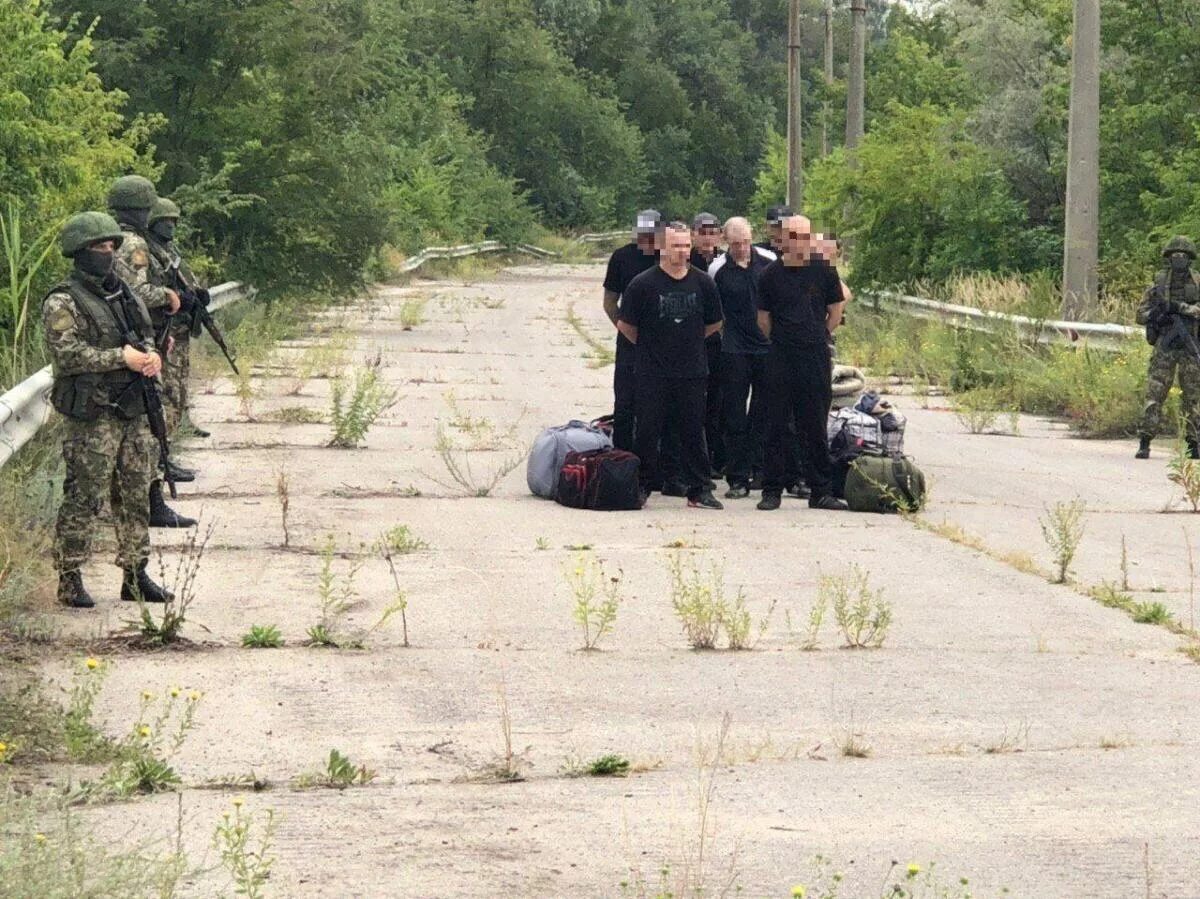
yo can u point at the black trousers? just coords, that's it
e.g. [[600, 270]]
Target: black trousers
[[663, 400], [799, 389], [624, 405], [713, 430], [743, 413]]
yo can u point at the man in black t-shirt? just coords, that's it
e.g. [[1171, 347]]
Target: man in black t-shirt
[[667, 312], [706, 240], [624, 265], [800, 302], [775, 217], [744, 351]]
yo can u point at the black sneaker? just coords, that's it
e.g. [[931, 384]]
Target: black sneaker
[[737, 491], [770, 501], [674, 488], [799, 490], [704, 501], [828, 502]]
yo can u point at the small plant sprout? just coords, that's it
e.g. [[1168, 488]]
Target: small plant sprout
[[1184, 471], [597, 598], [412, 314], [336, 597], [283, 494], [245, 848], [541, 544], [609, 765], [400, 541], [507, 766], [1062, 528], [262, 636], [167, 627], [705, 611], [340, 772], [862, 613]]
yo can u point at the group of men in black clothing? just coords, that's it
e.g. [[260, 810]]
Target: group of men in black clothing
[[723, 363]]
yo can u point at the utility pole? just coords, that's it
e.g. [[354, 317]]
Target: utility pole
[[795, 175], [828, 16], [856, 95], [1082, 238]]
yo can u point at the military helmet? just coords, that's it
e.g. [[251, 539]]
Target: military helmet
[[1180, 245], [163, 209], [131, 192], [87, 228]]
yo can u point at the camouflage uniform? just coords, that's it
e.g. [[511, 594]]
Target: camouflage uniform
[[110, 455], [1181, 290], [178, 365]]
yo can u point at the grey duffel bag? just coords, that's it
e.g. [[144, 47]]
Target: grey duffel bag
[[550, 451]]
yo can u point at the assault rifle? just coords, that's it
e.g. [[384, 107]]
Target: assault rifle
[[196, 299], [151, 398], [1174, 327]]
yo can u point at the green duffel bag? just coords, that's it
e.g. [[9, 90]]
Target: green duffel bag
[[884, 484]]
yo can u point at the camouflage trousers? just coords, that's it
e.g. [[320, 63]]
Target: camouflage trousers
[[1163, 365], [107, 456], [175, 375]]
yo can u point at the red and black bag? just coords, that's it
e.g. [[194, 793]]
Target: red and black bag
[[604, 480]]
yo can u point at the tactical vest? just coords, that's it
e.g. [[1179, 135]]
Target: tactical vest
[[182, 325], [1189, 293], [84, 396]]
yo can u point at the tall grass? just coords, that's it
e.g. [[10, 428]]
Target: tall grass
[[23, 264]]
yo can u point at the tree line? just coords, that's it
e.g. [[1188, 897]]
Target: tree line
[[302, 136]]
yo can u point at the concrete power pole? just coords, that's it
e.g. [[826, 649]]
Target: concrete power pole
[[828, 16], [1082, 237], [795, 177], [856, 96]]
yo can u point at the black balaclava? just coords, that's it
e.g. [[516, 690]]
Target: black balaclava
[[138, 218], [95, 263], [1179, 263], [164, 230]]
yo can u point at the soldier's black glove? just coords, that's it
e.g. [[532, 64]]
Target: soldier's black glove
[[203, 297]]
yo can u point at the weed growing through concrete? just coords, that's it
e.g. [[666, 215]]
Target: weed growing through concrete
[[600, 353], [862, 613], [1151, 613], [166, 628], [369, 397], [1125, 560], [597, 598], [283, 495], [977, 410], [245, 849], [541, 544], [911, 881], [607, 765], [1010, 741], [412, 314], [704, 610], [400, 540], [508, 766], [297, 415], [336, 595], [339, 773], [464, 479], [1184, 471], [1187, 541], [816, 617], [262, 636], [1062, 528]]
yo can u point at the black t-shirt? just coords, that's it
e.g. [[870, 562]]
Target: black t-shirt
[[697, 259], [797, 297], [670, 316], [738, 289], [624, 265]]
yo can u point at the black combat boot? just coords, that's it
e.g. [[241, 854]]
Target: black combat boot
[[139, 585], [71, 591], [1143, 451], [199, 431], [180, 474], [162, 515], [770, 500]]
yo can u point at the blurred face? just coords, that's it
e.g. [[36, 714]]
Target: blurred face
[[775, 234], [646, 242], [1180, 262], [678, 247], [797, 239], [707, 239], [737, 238], [103, 246]]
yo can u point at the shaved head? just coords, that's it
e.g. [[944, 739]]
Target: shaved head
[[737, 228], [797, 238]]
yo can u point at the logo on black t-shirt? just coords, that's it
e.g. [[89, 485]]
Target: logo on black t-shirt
[[678, 305]]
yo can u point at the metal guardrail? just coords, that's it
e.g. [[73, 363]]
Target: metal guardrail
[[412, 263], [1045, 331], [25, 408]]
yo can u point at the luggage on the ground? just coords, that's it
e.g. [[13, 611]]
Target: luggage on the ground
[[603, 479], [550, 451], [604, 423], [884, 484], [852, 433]]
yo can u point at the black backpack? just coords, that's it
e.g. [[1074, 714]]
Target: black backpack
[[603, 480]]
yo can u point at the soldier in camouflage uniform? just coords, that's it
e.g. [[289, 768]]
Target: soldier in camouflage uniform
[[130, 200], [89, 322], [160, 237], [1175, 297]]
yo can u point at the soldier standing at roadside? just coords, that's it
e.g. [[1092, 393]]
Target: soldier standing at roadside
[[130, 199], [89, 321], [1170, 310]]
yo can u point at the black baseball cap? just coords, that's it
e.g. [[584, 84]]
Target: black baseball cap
[[648, 221], [705, 220], [776, 214]]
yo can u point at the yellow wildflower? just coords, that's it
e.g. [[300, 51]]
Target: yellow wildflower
[[194, 696], [147, 695], [913, 869], [799, 891], [92, 664], [174, 692], [238, 802], [40, 837], [144, 731]]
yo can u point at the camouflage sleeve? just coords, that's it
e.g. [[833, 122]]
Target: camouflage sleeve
[[137, 268], [72, 353], [1147, 307]]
